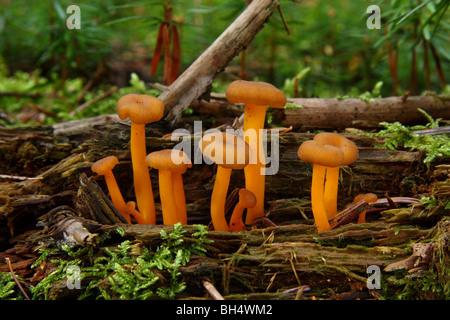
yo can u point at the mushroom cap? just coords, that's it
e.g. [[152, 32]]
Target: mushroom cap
[[104, 165], [140, 108], [256, 93], [348, 147], [169, 159], [130, 207], [325, 155], [247, 198], [368, 197], [226, 150]]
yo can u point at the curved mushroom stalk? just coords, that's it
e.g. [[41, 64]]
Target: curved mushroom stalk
[[131, 211], [104, 168], [247, 200]]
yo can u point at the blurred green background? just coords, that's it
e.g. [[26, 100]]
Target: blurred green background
[[314, 48]]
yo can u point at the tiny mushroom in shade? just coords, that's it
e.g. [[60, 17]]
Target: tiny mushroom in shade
[[256, 96], [130, 209], [141, 109], [229, 152], [246, 200], [368, 198], [322, 157], [171, 164], [350, 151], [104, 167]]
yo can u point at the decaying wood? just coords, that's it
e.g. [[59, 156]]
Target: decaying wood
[[197, 79], [377, 170], [333, 114], [317, 113]]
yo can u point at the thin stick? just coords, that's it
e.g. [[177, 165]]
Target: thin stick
[[21, 178], [88, 103], [212, 290], [15, 278]]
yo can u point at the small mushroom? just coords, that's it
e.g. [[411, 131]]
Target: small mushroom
[[256, 96], [368, 198], [327, 151], [141, 109], [130, 209], [104, 167], [228, 152], [246, 200], [350, 151], [171, 164], [322, 157]]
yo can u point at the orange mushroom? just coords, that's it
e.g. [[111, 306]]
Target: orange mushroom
[[104, 167], [368, 198], [141, 109], [246, 200], [130, 209], [350, 151], [228, 152], [256, 96], [171, 164], [322, 157]]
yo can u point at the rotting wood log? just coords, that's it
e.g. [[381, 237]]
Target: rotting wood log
[[332, 114], [196, 81], [305, 114], [377, 170]]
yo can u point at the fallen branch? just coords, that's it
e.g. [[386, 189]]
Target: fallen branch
[[318, 113], [197, 79]]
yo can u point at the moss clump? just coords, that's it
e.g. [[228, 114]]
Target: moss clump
[[128, 271]]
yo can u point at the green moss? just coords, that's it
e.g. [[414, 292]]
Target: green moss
[[397, 135], [128, 271]]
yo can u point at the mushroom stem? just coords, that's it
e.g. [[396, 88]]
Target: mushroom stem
[[362, 216], [141, 175], [236, 223], [114, 192], [180, 198], [218, 198], [130, 209], [255, 171], [331, 191], [317, 191], [168, 202]]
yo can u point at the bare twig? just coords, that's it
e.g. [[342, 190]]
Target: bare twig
[[88, 103], [212, 290], [15, 278], [20, 178]]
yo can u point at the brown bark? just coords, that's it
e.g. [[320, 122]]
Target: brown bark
[[320, 113]]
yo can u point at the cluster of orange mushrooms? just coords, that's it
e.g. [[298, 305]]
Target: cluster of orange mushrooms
[[327, 152]]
